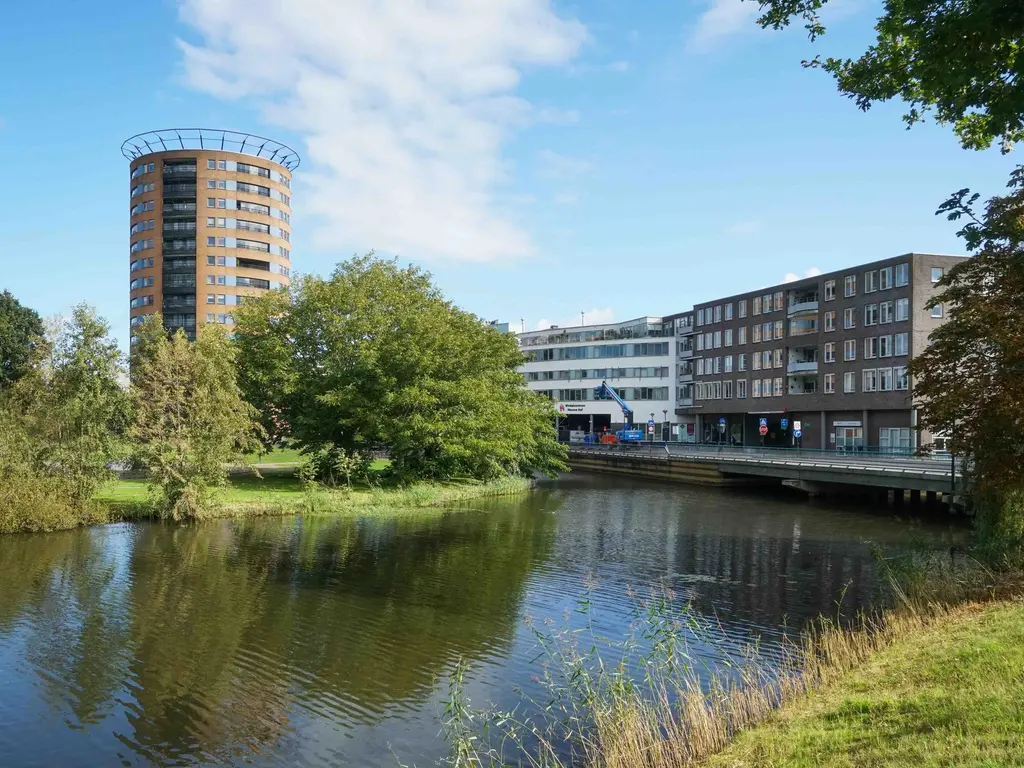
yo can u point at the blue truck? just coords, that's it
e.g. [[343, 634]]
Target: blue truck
[[628, 434]]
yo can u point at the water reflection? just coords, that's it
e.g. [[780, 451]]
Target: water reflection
[[312, 641]]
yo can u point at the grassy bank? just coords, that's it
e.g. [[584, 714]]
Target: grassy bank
[[950, 693], [276, 493]]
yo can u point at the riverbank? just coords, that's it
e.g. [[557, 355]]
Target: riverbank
[[275, 493], [948, 693]]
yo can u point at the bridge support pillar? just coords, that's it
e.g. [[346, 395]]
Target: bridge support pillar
[[810, 488]]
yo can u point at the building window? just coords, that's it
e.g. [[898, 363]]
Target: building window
[[211, 298], [885, 279], [830, 321], [849, 318], [743, 308], [741, 362], [870, 281], [902, 275], [902, 380], [718, 339], [830, 352], [937, 310], [756, 310], [779, 296], [728, 364], [222, 165], [700, 317], [830, 290], [755, 389], [718, 365], [728, 311], [870, 314], [708, 340], [885, 379], [700, 367], [778, 329], [830, 383], [869, 382], [211, 241], [937, 273], [870, 347], [755, 360], [211, 165], [894, 439], [900, 345], [850, 286], [885, 346], [211, 184], [700, 342], [728, 335], [757, 334], [222, 202], [222, 299], [850, 349], [885, 312], [211, 202], [742, 335], [766, 332], [766, 359], [718, 313], [741, 389], [902, 310], [727, 389], [849, 382], [778, 387], [778, 358], [766, 303]]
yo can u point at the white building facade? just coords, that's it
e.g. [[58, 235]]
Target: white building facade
[[638, 358]]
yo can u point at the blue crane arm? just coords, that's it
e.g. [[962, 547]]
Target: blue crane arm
[[604, 392]]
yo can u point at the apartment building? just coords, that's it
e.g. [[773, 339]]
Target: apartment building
[[210, 223], [635, 357], [826, 355]]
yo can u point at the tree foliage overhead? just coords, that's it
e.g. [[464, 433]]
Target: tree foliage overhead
[[960, 59], [20, 330], [374, 357], [190, 419], [970, 379]]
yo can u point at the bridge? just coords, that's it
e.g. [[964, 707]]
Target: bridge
[[814, 471]]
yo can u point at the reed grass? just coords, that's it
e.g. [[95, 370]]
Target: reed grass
[[647, 702]]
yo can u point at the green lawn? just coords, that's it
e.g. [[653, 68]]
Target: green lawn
[[291, 456], [951, 695], [241, 488]]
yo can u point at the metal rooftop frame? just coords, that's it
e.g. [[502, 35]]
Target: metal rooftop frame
[[171, 139]]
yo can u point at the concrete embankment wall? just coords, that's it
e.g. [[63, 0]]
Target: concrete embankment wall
[[673, 470]]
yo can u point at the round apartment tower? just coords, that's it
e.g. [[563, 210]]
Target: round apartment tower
[[210, 223]]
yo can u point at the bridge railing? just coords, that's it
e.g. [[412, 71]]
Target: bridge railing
[[866, 455]]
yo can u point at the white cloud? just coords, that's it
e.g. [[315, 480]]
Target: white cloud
[[556, 166], [722, 19], [619, 66], [566, 198], [404, 108], [744, 227], [793, 276], [590, 317]]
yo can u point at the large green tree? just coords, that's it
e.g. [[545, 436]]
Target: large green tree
[[970, 379], [374, 357], [20, 330], [62, 424], [962, 60], [190, 422]]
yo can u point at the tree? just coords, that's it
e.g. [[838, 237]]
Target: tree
[[961, 59], [970, 379], [190, 419], [20, 330], [375, 358], [64, 421]]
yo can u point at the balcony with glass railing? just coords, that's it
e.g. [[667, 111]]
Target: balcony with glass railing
[[172, 210], [803, 325], [179, 170], [179, 190], [802, 385], [802, 360], [803, 300]]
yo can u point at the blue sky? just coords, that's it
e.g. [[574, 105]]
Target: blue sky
[[541, 158]]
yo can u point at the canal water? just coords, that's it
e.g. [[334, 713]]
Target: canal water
[[324, 642]]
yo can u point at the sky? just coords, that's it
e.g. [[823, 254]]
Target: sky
[[541, 158]]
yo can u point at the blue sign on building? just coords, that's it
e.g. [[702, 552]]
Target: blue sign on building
[[721, 421], [763, 422], [785, 423]]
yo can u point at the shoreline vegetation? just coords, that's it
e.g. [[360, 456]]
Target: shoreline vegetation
[[276, 491], [926, 683]]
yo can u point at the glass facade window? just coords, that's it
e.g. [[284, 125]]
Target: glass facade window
[[902, 275]]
